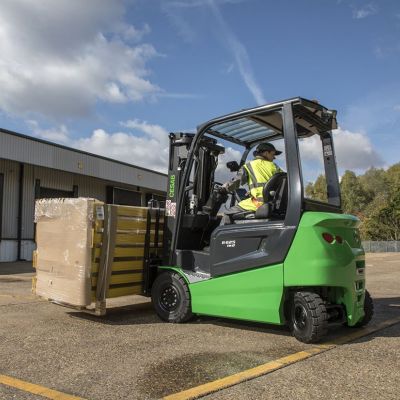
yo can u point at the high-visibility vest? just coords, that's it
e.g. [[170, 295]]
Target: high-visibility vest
[[259, 172]]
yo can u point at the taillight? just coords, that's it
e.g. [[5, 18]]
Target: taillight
[[328, 237]]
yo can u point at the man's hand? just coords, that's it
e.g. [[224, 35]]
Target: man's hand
[[224, 188]]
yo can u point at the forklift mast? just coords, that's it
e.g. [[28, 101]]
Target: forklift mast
[[200, 189]]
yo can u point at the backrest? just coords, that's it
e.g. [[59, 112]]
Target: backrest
[[273, 185], [275, 194]]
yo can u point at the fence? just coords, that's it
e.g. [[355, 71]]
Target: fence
[[381, 246]]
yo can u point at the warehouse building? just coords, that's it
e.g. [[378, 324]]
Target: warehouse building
[[31, 169]]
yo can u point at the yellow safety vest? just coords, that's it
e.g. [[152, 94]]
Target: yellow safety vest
[[259, 171]]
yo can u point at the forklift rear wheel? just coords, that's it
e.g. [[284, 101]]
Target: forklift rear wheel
[[171, 298], [308, 317], [368, 311]]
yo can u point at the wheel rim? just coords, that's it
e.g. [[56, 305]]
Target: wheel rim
[[169, 298], [300, 317]]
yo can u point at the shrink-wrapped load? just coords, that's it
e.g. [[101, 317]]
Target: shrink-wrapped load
[[64, 249]]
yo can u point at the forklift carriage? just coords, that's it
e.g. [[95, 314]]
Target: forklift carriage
[[294, 261]]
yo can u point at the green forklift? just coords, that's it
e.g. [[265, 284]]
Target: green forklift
[[294, 261]]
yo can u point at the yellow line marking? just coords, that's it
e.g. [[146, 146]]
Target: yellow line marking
[[264, 369], [36, 389]]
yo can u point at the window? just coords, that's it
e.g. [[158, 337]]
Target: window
[[312, 163]]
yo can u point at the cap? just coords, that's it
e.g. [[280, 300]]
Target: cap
[[266, 147]]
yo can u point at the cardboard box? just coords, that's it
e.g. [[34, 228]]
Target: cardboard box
[[64, 249]]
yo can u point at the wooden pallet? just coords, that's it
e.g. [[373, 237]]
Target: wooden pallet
[[123, 243]]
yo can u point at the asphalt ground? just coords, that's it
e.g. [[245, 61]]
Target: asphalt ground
[[130, 354]]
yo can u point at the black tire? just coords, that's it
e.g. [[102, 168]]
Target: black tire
[[368, 311], [171, 298], [308, 317]]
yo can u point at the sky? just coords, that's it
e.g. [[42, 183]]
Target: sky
[[115, 77]]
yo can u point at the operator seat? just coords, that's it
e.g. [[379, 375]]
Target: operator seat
[[275, 195]]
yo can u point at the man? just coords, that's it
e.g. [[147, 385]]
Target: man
[[256, 174]]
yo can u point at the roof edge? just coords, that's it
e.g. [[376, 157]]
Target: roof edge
[[21, 135]]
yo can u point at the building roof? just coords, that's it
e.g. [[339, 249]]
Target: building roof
[[30, 150]]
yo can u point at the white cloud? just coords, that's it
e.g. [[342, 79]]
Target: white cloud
[[353, 150], [59, 58], [222, 173], [366, 11], [146, 146], [56, 134], [130, 33]]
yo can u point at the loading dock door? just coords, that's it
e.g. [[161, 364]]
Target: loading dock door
[[123, 197], [49, 193]]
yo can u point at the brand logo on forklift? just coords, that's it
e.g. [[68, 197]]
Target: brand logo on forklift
[[229, 243], [171, 186]]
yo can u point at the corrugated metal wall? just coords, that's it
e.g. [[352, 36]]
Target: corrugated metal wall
[[54, 179], [90, 187], [10, 169], [9, 250], [28, 202]]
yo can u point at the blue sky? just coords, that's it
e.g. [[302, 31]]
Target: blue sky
[[115, 77]]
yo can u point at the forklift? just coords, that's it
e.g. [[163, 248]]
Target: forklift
[[294, 261]]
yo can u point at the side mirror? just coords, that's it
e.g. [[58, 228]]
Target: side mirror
[[233, 166]]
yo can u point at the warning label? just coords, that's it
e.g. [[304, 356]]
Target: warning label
[[327, 150], [170, 208]]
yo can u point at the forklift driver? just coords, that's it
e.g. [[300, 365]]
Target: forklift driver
[[256, 174]]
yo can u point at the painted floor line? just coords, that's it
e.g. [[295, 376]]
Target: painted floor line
[[264, 369], [36, 389]]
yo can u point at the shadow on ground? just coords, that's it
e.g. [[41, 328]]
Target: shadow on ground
[[143, 313]]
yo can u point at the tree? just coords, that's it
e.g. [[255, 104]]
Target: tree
[[374, 183], [317, 191], [393, 178], [384, 222], [309, 190], [374, 197], [354, 197]]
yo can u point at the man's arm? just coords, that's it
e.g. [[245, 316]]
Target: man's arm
[[239, 180]]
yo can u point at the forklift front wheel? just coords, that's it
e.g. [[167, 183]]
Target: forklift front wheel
[[308, 317], [171, 298]]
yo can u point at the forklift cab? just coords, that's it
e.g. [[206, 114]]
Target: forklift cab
[[195, 240]]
